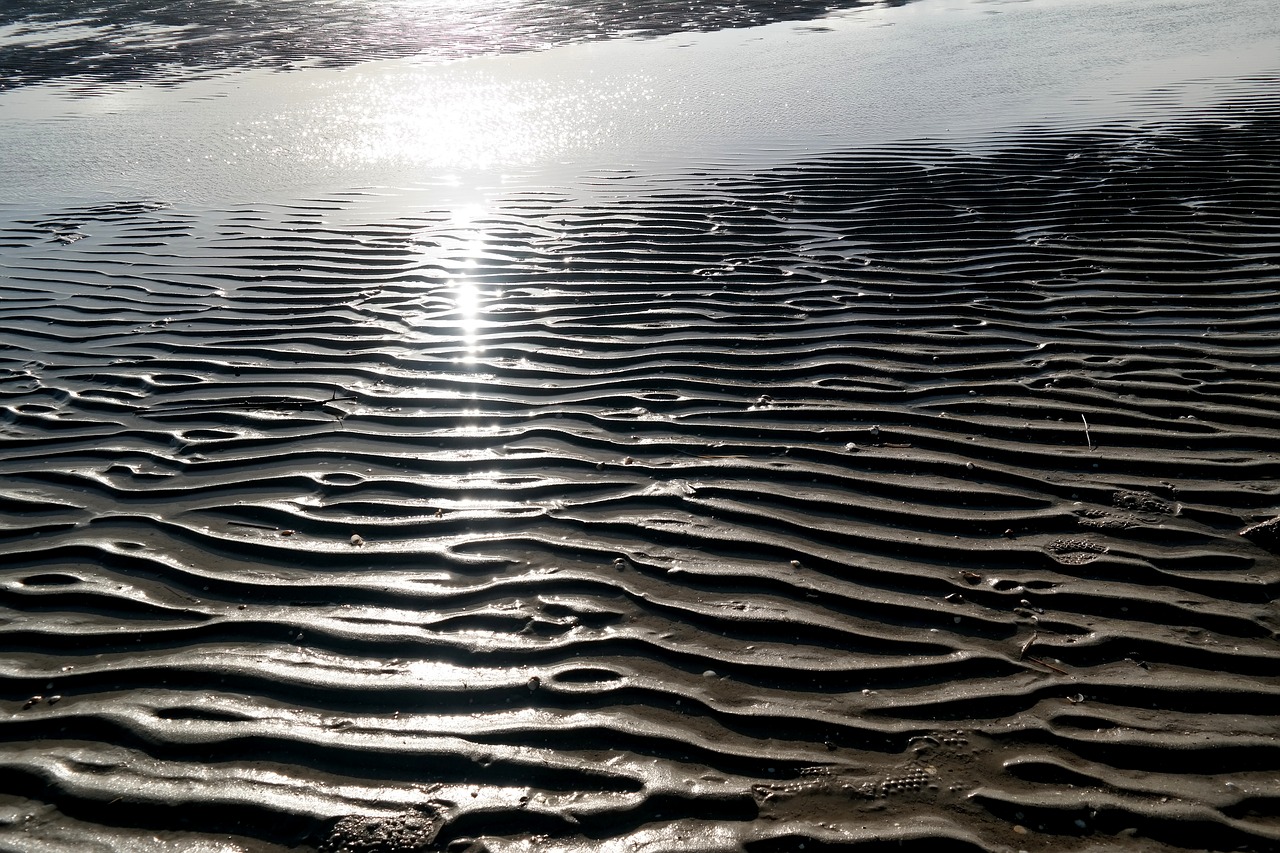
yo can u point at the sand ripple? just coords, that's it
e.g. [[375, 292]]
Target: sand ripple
[[887, 495]]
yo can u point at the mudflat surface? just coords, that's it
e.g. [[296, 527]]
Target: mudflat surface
[[813, 496]]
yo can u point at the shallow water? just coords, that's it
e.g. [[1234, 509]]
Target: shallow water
[[951, 74], [849, 462]]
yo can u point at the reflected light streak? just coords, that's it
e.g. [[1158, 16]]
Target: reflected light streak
[[467, 306], [466, 292]]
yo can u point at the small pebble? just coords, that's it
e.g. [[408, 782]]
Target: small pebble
[[357, 540]]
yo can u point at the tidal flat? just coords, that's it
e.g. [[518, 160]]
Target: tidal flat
[[551, 428]]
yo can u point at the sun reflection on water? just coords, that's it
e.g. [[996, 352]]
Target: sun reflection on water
[[456, 118], [467, 304], [465, 291]]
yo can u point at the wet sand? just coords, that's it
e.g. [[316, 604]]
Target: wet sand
[[878, 498]]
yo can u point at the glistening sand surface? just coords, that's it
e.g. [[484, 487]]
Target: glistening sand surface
[[885, 497]]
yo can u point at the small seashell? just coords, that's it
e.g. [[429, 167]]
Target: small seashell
[[357, 540]]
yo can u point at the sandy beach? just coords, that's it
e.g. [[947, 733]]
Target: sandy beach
[[886, 465]]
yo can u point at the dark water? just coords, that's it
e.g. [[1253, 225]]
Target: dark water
[[880, 498], [100, 45]]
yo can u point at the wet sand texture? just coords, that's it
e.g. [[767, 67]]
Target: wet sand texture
[[889, 499]]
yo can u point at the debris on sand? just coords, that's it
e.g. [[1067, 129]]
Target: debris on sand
[[1265, 533], [413, 832]]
